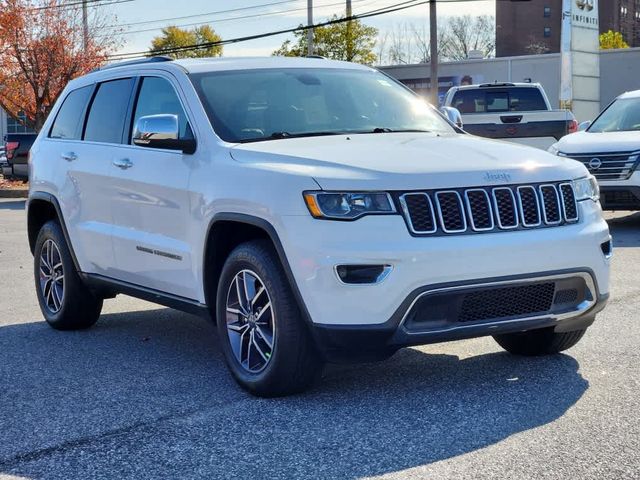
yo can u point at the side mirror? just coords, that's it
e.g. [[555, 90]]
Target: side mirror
[[161, 131], [453, 115], [584, 125]]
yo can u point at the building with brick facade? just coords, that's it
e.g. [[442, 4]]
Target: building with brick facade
[[524, 28]]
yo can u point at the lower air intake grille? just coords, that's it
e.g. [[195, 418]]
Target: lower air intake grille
[[507, 302]]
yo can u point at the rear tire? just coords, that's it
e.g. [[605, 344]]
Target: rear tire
[[265, 342], [539, 342], [66, 303]]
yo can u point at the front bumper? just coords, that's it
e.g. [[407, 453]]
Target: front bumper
[[440, 320], [314, 248], [620, 194]]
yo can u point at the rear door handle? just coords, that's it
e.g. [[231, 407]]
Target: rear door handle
[[123, 163], [69, 156]]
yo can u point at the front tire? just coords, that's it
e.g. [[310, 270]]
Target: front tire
[[66, 303], [265, 343], [539, 342]]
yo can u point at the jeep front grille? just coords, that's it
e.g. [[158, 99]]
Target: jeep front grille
[[610, 166], [486, 209]]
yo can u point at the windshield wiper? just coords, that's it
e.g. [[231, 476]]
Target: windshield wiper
[[277, 135], [402, 130]]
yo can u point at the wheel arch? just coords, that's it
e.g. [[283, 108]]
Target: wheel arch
[[41, 208], [224, 233]]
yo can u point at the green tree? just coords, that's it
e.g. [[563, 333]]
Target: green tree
[[611, 39], [351, 41], [173, 37]]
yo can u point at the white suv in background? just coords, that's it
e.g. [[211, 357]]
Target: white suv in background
[[610, 148], [316, 210]]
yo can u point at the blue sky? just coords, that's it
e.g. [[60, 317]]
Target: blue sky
[[283, 15]]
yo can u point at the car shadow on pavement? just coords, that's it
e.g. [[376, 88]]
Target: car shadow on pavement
[[12, 205], [146, 395], [625, 230]]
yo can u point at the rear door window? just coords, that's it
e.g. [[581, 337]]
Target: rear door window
[[68, 122], [107, 116], [517, 99]]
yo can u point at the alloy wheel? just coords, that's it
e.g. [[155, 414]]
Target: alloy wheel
[[250, 321], [51, 276]]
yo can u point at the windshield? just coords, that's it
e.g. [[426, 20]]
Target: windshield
[[621, 116], [266, 104]]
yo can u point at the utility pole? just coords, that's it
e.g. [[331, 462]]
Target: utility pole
[[310, 30], [433, 34], [349, 33], [85, 25]]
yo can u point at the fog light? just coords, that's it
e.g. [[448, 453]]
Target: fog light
[[363, 274], [607, 249]]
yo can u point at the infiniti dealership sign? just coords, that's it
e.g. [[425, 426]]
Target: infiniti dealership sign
[[580, 64], [585, 14]]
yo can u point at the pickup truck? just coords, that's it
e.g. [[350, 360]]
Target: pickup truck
[[14, 164], [517, 112]]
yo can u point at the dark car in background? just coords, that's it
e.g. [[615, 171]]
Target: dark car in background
[[14, 162]]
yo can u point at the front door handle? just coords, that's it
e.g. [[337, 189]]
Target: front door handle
[[123, 163], [69, 156]]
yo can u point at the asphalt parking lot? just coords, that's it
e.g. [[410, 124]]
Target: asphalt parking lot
[[145, 394]]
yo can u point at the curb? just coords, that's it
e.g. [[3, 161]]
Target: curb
[[14, 193]]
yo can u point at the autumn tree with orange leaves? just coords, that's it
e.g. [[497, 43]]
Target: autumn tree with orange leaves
[[41, 50]]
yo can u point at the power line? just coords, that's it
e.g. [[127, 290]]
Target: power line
[[231, 10], [301, 28], [78, 4], [243, 17]]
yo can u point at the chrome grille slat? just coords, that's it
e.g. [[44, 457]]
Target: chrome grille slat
[[550, 201], [449, 218], [529, 209], [489, 209], [569, 203], [423, 221], [503, 212], [479, 213]]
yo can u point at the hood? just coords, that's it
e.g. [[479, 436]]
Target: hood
[[407, 161], [609, 142]]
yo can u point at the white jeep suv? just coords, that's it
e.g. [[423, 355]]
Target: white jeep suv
[[316, 210]]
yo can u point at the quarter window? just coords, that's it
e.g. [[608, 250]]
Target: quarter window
[[158, 97], [68, 122], [108, 111]]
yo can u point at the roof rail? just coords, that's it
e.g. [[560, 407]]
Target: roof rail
[[316, 56], [140, 61]]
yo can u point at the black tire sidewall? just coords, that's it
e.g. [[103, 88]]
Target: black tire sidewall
[[264, 262], [80, 308], [231, 268]]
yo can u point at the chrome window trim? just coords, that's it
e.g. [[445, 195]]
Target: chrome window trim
[[497, 210], [581, 308], [462, 214], [405, 209], [544, 210], [575, 203], [521, 208], [468, 204]]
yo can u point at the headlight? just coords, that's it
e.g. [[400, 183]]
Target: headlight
[[553, 149], [348, 206], [586, 189]]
